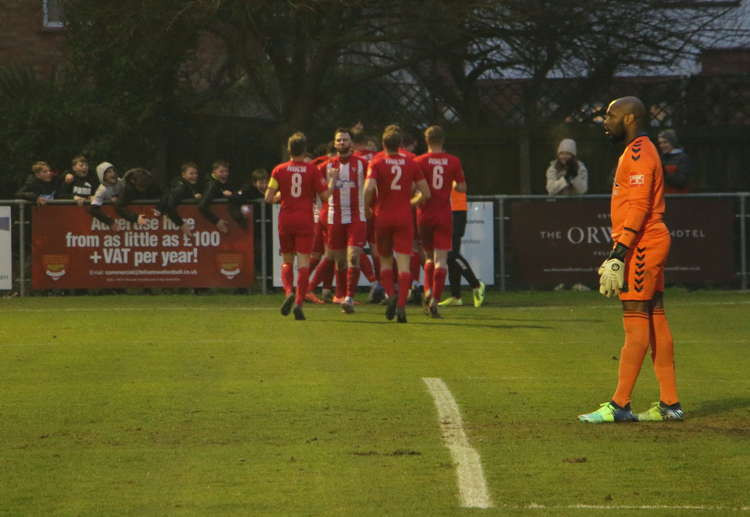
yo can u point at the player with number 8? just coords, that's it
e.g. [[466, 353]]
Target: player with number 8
[[298, 182]]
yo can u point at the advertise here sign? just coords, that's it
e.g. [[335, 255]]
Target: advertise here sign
[[563, 241], [72, 249]]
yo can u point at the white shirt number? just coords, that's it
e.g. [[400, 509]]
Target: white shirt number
[[396, 171], [437, 177], [296, 190]]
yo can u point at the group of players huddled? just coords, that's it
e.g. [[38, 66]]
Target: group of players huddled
[[397, 202]]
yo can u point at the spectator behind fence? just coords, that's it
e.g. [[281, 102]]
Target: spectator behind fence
[[187, 186], [567, 176], [675, 162], [139, 184], [41, 185], [109, 190], [255, 188], [82, 183], [219, 187]]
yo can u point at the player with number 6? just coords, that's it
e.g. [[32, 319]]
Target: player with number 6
[[442, 171]]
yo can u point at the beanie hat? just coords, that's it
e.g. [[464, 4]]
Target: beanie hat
[[670, 136], [101, 169], [567, 145]]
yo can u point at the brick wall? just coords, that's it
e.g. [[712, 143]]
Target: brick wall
[[25, 41]]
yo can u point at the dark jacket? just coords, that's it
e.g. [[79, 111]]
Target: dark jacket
[[676, 166], [130, 194], [81, 186], [213, 191], [179, 190], [33, 188]]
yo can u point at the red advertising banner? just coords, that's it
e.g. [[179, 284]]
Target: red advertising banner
[[72, 249], [563, 241]]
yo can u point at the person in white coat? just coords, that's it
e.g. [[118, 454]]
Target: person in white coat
[[567, 175]]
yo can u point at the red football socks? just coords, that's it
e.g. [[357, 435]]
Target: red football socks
[[287, 277], [352, 278], [429, 271], [438, 283], [303, 274], [386, 278], [404, 282], [366, 266]]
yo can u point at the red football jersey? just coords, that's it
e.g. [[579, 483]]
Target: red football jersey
[[440, 171], [346, 202], [298, 183], [395, 176]]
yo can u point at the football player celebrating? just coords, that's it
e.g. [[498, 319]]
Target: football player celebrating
[[298, 182], [441, 171], [347, 226], [398, 183], [635, 267]]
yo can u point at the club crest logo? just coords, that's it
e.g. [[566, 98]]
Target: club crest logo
[[229, 264], [55, 266]]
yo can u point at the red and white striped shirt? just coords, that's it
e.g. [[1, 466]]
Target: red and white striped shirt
[[346, 203]]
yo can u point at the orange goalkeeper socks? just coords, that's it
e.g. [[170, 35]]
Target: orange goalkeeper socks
[[637, 331], [663, 355]]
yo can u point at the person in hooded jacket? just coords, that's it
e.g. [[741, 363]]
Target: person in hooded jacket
[[567, 175]]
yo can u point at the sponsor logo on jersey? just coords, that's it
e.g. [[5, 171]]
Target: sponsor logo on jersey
[[637, 179]]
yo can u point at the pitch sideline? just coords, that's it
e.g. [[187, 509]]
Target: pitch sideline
[[472, 487]]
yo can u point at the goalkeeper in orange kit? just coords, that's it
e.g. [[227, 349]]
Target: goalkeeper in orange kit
[[635, 267]]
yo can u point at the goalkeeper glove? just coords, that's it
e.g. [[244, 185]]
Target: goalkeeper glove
[[612, 271]]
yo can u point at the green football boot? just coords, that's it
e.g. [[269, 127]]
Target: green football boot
[[660, 412], [479, 295], [608, 412]]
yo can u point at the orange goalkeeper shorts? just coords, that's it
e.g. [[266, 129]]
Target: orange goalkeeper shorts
[[644, 264]]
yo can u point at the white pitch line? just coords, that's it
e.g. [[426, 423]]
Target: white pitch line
[[472, 488]]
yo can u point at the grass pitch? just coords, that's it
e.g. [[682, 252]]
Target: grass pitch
[[217, 405]]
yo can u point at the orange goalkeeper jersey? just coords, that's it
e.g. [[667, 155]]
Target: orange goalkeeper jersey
[[638, 191]]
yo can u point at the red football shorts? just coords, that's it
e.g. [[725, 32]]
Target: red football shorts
[[296, 235], [644, 265], [436, 235], [341, 236], [393, 236]]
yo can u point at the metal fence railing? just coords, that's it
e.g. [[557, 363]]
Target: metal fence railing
[[508, 258]]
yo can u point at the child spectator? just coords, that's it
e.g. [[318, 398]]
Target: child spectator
[[219, 187], [256, 188], [82, 183], [567, 175], [41, 185], [109, 190], [185, 187]]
